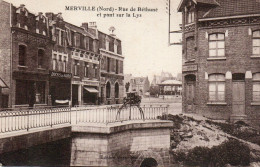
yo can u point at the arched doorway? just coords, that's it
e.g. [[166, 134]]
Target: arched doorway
[[149, 162], [117, 92], [108, 90]]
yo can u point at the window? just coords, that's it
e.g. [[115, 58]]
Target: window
[[115, 48], [40, 58], [76, 66], [117, 66], [116, 90], [95, 70], [217, 87], [40, 93], [22, 55], [256, 87], [54, 63], [216, 45], [108, 87], [190, 16], [190, 44], [108, 64], [86, 69], [60, 68], [64, 65], [256, 42]]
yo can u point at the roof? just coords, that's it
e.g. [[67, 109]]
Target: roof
[[205, 2], [171, 82], [234, 7], [78, 29]]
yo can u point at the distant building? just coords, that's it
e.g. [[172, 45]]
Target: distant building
[[157, 79], [139, 84], [142, 85], [170, 88]]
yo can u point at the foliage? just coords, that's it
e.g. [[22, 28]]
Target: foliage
[[230, 152], [154, 90]]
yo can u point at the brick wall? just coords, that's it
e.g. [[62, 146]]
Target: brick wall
[[238, 52], [5, 47]]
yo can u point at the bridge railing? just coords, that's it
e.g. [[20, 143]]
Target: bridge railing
[[25, 119], [110, 114]]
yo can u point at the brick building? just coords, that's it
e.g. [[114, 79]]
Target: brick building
[[60, 62], [24, 66], [111, 66], [221, 57], [85, 65], [48, 61]]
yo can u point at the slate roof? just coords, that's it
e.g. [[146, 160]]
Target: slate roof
[[234, 7]]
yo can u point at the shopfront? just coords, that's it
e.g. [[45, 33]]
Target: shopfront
[[60, 88], [85, 92], [30, 89]]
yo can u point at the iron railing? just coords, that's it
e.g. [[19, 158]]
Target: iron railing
[[109, 114], [25, 119]]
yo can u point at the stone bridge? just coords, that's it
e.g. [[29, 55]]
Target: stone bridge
[[131, 144], [97, 139]]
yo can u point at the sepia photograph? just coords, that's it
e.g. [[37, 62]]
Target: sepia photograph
[[130, 83]]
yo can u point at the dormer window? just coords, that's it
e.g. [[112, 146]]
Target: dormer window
[[22, 14], [190, 15], [115, 46], [107, 43]]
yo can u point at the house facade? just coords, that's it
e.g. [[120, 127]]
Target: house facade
[[48, 61], [111, 62], [25, 44], [221, 56]]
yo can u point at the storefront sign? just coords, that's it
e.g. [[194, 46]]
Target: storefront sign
[[90, 83], [60, 75], [193, 67]]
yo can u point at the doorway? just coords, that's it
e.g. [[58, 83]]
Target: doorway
[[238, 94]]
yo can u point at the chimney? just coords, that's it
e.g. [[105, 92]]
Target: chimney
[[85, 26], [111, 31], [92, 25], [49, 15], [22, 5]]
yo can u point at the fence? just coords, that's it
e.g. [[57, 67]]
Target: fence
[[110, 114], [25, 119]]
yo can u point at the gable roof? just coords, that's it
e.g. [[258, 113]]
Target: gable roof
[[205, 2], [234, 7]]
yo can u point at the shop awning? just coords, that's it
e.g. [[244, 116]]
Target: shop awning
[[91, 90]]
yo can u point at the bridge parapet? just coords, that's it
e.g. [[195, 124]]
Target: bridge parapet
[[127, 144]]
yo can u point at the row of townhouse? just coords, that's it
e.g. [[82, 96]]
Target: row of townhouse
[[221, 59], [45, 60]]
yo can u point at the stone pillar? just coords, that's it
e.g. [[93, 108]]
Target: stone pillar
[[228, 92], [79, 94], [248, 92]]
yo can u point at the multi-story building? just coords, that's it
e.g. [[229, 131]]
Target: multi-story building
[[221, 57], [24, 48], [111, 62], [48, 61], [60, 62], [85, 65]]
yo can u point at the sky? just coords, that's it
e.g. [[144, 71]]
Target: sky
[[144, 39]]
